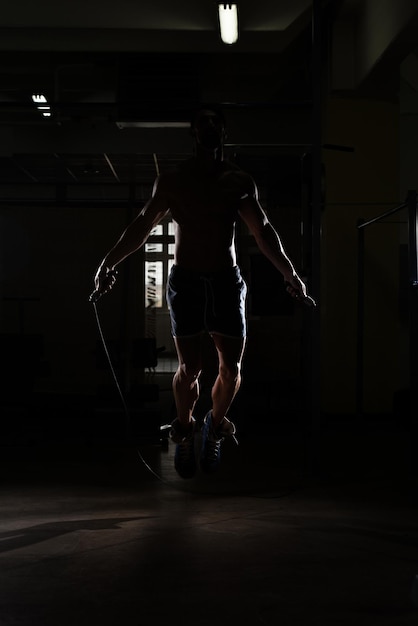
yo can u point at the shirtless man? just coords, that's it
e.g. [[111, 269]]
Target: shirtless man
[[206, 195]]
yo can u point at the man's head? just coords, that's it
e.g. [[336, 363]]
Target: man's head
[[208, 128]]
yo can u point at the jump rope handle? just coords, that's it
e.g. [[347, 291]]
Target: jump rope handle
[[97, 293], [94, 296], [306, 300]]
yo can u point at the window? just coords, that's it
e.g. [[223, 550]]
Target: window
[[159, 257]]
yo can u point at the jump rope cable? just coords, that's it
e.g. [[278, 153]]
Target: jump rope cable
[[121, 395]]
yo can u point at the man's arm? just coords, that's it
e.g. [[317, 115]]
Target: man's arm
[[133, 237], [267, 238]]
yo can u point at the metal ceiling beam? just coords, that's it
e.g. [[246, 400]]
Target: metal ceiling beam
[[112, 169], [24, 170], [57, 156]]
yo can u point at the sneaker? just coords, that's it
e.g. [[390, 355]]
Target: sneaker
[[184, 457], [210, 454]]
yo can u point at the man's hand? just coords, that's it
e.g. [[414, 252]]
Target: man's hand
[[104, 280], [297, 289]]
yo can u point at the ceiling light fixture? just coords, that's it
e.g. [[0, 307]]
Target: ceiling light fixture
[[228, 22], [152, 124]]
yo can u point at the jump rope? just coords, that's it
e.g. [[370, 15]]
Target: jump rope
[[94, 297]]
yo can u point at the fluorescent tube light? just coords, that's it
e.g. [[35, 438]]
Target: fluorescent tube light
[[228, 22], [39, 98], [153, 124]]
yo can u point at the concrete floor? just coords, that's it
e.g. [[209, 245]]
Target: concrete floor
[[90, 537]]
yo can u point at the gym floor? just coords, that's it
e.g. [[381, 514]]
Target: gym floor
[[90, 536]]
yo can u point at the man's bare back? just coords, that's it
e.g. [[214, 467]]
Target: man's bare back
[[205, 196], [204, 204]]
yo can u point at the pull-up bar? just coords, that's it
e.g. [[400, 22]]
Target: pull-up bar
[[411, 206], [362, 224]]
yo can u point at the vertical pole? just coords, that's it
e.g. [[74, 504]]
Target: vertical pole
[[317, 77], [413, 328], [126, 313], [360, 320], [412, 234]]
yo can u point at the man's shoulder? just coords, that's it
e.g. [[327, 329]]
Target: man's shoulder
[[233, 168], [168, 179], [239, 178]]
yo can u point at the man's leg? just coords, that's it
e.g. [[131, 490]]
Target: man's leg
[[186, 393], [216, 425], [230, 353], [186, 378]]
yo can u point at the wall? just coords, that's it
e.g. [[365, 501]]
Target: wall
[[360, 184], [49, 255]]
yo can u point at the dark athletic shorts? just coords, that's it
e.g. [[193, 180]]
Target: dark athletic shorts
[[212, 302]]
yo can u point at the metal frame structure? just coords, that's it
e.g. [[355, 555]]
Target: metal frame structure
[[412, 210]]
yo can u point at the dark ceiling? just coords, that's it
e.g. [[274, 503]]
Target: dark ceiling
[[100, 65]]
